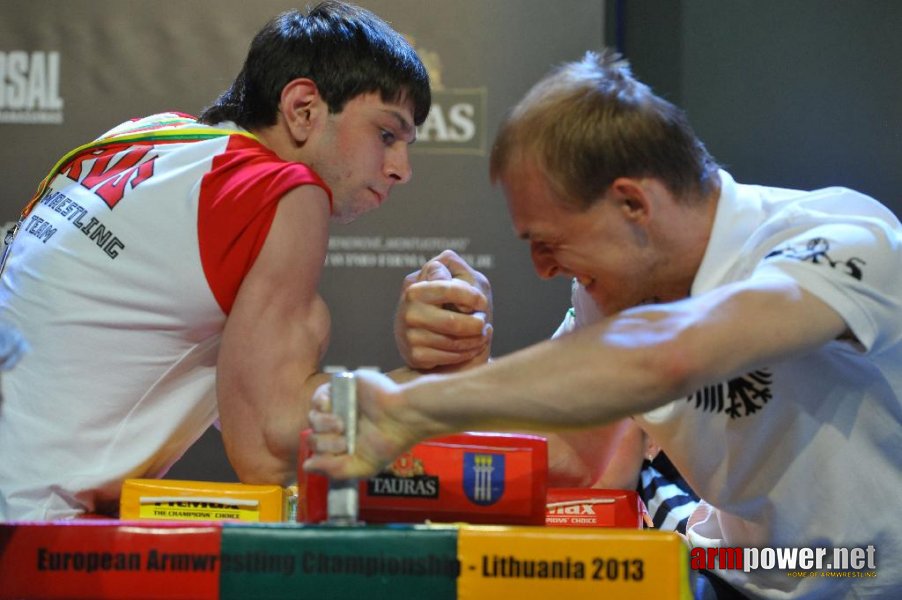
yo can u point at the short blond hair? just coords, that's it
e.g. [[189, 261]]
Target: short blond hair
[[589, 122]]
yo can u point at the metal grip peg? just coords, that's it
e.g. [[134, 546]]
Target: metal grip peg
[[343, 501]]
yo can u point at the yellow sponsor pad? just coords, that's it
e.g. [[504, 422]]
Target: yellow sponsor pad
[[202, 501], [545, 562], [199, 508]]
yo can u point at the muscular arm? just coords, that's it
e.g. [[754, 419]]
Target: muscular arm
[[637, 360], [626, 364], [273, 340], [433, 338]]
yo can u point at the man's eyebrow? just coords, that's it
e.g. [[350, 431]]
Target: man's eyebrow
[[534, 237], [404, 125]]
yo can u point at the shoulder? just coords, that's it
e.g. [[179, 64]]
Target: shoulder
[[298, 236], [246, 164], [252, 200]]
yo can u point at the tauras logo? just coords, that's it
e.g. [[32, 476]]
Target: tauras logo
[[405, 477], [419, 486], [29, 87], [456, 121]]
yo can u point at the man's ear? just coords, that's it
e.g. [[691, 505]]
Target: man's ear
[[632, 198], [301, 107]]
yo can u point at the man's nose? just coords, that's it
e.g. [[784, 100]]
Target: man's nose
[[543, 261], [397, 164]]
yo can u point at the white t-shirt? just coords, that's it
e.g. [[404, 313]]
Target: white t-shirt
[[806, 452]]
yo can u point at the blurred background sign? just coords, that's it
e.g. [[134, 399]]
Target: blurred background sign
[[801, 94]]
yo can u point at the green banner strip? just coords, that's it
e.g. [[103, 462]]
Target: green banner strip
[[312, 562]]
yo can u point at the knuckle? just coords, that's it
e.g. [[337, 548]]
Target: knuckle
[[420, 358], [457, 326], [408, 291], [412, 295], [465, 325], [414, 339]]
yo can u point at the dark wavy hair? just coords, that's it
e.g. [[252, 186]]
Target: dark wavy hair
[[589, 122], [346, 50]]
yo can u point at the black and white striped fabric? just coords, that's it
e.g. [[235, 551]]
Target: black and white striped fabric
[[668, 498]]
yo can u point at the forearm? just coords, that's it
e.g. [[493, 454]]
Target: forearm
[[630, 363], [262, 445], [404, 374], [627, 364], [576, 381], [267, 375]]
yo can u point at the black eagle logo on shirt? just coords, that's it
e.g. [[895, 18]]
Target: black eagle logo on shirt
[[739, 397], [816, 251]]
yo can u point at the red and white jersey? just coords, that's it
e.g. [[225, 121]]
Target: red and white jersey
[[121, 278]]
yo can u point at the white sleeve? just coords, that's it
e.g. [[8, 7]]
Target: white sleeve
[[854, 268], [566, 326], [582, 311]]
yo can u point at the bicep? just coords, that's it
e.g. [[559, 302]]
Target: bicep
[[754, 323]]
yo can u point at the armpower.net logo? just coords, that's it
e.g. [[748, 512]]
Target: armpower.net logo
[[797, 562]]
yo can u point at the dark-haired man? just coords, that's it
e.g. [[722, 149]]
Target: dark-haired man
[[753, 332], [166, 274]]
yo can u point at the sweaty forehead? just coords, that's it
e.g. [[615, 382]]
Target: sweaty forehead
[[527, 206], [537, 212]]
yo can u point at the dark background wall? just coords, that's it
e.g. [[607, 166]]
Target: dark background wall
[[802, 94], [71, 70], [799, 93]]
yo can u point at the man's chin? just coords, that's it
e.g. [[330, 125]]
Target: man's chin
[[347, 216], [353, 213]]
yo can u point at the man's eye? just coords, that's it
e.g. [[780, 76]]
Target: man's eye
[[543, 247], [388, 138]]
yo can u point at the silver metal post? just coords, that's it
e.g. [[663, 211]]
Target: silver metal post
[[343, 500]]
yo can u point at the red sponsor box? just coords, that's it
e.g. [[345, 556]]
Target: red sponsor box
[[582, 507], [495, 478], [100, 559]]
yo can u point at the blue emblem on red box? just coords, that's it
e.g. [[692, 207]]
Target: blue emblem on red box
[[483, 477]]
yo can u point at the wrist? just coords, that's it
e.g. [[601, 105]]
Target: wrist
[[420, 401]]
